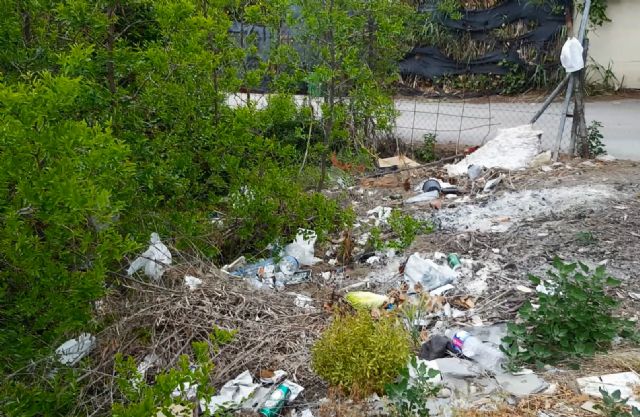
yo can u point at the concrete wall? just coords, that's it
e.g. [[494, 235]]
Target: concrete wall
[[618, 42]]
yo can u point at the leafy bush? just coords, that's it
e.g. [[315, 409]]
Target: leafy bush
[[615, 406], [408, 395], [361, 355], [594, 137], [427, 151], [575, 319], [63, 185], [404, 230], [141, 399]]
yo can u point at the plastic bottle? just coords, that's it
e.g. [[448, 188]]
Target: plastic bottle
[[485, 355], [276, 401]]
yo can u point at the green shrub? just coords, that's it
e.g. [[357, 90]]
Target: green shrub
[[594, 137], [361, 355], [613, 405], [408, 395], [141, 399], [575, 319], [404, 229], [62, 185], [427, 151]]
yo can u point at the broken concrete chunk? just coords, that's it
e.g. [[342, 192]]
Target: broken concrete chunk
[[455, 368], [521, 385], [626, 382]]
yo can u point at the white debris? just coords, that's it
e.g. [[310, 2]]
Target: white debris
[[154, 260], [606, 158], [428, 196], [303, 301], [380, 215], [427, 273], [517, 206], [441, 290], [492, 184], [232, 394], [192, 282], [626, 382], [541, 160], [278, 375], [71, 351], [511, 149], [303, 247], [373, 260], [186, 390], [294, 388]]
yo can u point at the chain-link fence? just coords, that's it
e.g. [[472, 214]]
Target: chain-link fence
[[474, 121]]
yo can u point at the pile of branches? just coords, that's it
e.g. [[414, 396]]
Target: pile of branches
[[165, 318]]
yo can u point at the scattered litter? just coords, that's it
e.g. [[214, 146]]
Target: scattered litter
[[147, 363], [380, 215], [302, 248], [187, 391], [73, 350], [268, 376], [431, 185], [635, 296], [192, 282], [303, 301], [428, 196], [475, 171], [366, 300], [427, 273], [276, 401], [232, 394], [295, 389], [436, 347], [441, 290], [492, 184], [154, 260], [485, 355], [400, 161], [590, 406], [626, 382], [522, 205], [373, 260], [546, 168], [571, 55], [511, 149], [413, 372]]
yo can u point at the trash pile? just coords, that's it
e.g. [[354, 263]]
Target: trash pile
[[279, 305]]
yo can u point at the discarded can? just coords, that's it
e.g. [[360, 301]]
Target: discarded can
[[276, 401], [454, 261]]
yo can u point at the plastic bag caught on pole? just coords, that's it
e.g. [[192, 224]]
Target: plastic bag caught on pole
[[154, 260], [571, 55]]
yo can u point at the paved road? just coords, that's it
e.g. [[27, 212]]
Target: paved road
[[474, 123], [621, 130]]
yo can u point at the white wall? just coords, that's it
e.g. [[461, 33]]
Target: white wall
[[618, 42]]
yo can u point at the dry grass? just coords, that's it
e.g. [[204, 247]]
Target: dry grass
[[165, 318], [563, 403]]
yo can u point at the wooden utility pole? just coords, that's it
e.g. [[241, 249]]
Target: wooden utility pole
[[579, 139]]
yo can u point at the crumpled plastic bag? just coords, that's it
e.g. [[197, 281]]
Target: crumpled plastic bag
[[571, 55], [71, 351], [154, 260], [303, 248]]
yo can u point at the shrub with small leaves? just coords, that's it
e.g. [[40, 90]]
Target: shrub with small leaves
[[574, 319], [613, 405], [594, 136], [361, 355], [408, 396]]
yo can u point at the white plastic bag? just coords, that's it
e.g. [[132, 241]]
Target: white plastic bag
[[303, 249], [571, 56], [154, 260]]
